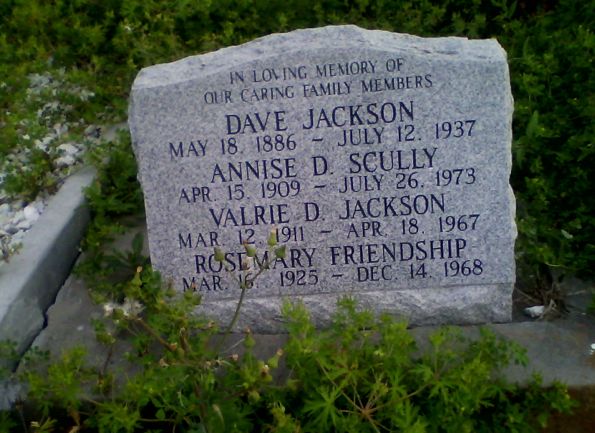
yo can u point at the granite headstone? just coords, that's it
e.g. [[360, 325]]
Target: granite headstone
[[382, 159]]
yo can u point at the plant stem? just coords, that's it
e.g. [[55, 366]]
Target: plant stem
[[234, 319], [22, 417], [245, 286], [154, 334], [108, 358]]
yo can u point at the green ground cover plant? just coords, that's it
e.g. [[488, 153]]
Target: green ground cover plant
[[174, 372]]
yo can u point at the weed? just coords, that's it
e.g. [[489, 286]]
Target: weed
[[362, 374]]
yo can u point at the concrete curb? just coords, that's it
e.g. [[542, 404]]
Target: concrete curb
[[29, 283]]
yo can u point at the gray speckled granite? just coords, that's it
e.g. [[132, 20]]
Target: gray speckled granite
[[392, 160]]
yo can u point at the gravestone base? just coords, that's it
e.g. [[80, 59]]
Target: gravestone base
[[455, 305]]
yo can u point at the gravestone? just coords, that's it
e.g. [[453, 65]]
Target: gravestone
[[381, 159]]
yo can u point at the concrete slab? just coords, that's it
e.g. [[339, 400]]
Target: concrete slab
[[560, 350]]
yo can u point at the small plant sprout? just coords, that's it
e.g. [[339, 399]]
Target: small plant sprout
[[273, 237], [251, 268], [251, 265]]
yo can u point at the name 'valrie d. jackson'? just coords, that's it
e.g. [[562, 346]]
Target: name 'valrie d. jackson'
[[357, 115]]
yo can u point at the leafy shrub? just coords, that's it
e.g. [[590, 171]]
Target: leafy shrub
[[114, 194], [363, 374], [553, 85]]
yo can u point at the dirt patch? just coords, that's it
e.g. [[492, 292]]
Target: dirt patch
[[582, 419]]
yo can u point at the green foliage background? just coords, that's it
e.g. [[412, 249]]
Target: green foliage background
[[102, 44]]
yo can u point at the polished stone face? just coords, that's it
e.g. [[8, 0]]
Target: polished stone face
[[382, 159]]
